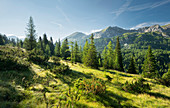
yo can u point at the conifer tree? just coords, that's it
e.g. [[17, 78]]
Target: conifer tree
[[132, 67], [1, 40], [72, 52], [149, 66], [17, 42], [80, 53], [65, 49], [45, 40], [31, 35], [85, 51], [39, 43], [47, 50], [59, 48], [100, 60], [51, 46], [91, 59], [110, 55], [21, 44], [118, 65], [56, 51], [105, 61], [76, 53]]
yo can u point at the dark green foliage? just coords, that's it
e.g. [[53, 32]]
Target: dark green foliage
[[31, 35], [105, 61], [57, 49], [45, 40], [91, 58], [65, 53], [100, 60], [118, 65], [108, 77], [85, 51], [12, 59], [165, 80], [62, 69], [95, 86], [132, 67], [20, 44], [136, 86], [40, 44], [51, 46], [149, 66], [1, 40], [76, 53], [37, 56], [47, 50], [72, 52], [80, 53], [110, 55]]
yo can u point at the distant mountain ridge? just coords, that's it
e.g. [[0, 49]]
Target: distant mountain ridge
[[111, 32]]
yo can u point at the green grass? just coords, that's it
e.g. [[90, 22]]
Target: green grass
[[24, 89]]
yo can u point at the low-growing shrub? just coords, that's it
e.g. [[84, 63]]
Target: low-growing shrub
[[94, 85], [136, 86], [165, 79], [59, 69]]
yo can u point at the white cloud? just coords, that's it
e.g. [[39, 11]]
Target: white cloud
[[9, 34], [126, 7], [149, 24], [64, 14], [92, 31], [58, 24], [122, 9]]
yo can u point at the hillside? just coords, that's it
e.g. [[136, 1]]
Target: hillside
[[25, 87]]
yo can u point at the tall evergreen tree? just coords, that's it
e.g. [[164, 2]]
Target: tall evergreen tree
[[40, 44], [110, 55], [17, 43], [47, 50], [91, 59], [72, 52], [76, 53], [80, 53], [118, 65], [85, 51], [100, 60], [132, 67], [105, 61], [45, 40], [21, 44], [65, 49], [149, 66], [56, 50], [31, 35], [51, 46], [1, 40]]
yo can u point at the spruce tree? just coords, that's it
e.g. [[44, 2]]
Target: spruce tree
[[132, 67], [76, 53], [91, 59], [31, 35], [65, 49], [100, 60], [72, 52], [80, 53], [21, 44], [118, 65], [1, 40], [85, 51], [105, 61], [149, 66], [40, 44], [51, 46], [56, 50], [45, 40], [110, 55], [47, 50]]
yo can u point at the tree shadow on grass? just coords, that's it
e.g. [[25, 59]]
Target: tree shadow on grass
[[110, 99], [70, 76], [158, 95]]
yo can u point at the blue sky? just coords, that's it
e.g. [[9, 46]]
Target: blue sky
[[60, 18]]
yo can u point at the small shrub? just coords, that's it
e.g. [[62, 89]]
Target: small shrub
[[165, 80], [60, 69], [137, 86], [94, 85]]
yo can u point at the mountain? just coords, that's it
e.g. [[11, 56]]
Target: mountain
[[15, 37], [102, 37]]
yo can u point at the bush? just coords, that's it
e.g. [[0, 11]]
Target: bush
[[60, 69], [37, 57], [94, 85], [165, 80], [137, 86]]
